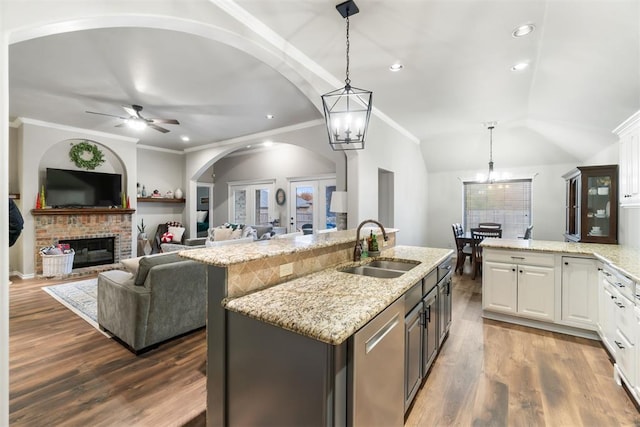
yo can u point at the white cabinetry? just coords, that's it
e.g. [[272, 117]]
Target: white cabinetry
[[629, 133], [519, 283], [580, 292], [607, 319], [637, 364]]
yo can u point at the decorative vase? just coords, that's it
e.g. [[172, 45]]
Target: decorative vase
[[147, 248], [178, 193], [144, 191], [142, 236]]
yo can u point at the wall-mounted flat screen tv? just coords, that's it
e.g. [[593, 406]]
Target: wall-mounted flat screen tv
[[73, 188]]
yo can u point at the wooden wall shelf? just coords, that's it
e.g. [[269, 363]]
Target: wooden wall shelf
[[159, 200], [82, 211]]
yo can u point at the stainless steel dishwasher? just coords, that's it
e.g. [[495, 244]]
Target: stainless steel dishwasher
[[377, 357]]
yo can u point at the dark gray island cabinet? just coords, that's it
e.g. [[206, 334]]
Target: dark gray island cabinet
[[294, 357]]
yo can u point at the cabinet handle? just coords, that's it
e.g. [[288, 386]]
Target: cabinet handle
[[620, 346], [427, 316], [513, 269], [613, 297], [521, 271], [517, 257], [566, 263], [599, 269], [619, 304], [607, 274], [620, 285]]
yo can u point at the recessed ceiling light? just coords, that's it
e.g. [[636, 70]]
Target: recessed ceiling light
[[519, 67], [396, 67], [523, 30], [248, 146], [268, 143], [269, 116], [184, 138]]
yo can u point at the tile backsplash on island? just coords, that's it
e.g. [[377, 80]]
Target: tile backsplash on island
[[262, 273], [254, 266]]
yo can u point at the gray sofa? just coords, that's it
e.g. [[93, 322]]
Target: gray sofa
[[165, 297]]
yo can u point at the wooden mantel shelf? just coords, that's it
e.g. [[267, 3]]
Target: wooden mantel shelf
[[159, 200], [82, 211]]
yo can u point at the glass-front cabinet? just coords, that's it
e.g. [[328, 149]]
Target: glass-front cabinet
[[592, 204]]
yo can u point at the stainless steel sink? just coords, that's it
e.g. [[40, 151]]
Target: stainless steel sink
[[393, 265], [380, 273]]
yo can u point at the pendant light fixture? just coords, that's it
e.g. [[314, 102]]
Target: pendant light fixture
[[491, 176], [347, 110]]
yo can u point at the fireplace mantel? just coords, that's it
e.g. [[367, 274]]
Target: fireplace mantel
[[81, 211]]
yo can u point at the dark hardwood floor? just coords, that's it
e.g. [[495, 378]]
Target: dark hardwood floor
[[63, 372]]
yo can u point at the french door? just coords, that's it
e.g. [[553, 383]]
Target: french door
[[309, 205], [251, 203]]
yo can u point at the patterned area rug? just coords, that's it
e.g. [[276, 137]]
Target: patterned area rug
[[79, 297]]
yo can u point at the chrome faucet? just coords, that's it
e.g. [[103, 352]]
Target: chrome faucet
[[357, 250]]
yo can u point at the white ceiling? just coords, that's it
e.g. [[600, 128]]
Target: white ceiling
[[583, 79]]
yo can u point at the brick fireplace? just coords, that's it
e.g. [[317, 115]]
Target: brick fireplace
[[54, 225]]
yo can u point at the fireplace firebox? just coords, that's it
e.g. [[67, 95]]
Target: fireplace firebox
[[90, 252]]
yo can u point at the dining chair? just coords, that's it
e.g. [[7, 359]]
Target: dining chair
[[489, 225], [463, 249], [527, 233], [478, 235]]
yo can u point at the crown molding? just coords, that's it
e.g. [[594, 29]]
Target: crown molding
[[27, 121]]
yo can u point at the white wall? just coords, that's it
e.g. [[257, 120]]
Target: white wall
[[388, 149], [161, 170], [280, 163], [548, 201]]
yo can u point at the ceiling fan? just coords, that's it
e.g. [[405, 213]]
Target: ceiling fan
[[137, 121]]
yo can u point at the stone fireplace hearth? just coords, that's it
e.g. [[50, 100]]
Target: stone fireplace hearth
[[55, 225]]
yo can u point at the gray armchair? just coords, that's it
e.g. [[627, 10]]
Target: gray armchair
[[165, 298]]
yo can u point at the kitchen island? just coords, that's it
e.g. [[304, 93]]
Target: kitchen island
[[312, 317]]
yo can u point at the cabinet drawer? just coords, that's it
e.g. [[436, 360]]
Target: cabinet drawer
[[626, 319], [520, 257], [625, 356], [413, 296], [429, 281]]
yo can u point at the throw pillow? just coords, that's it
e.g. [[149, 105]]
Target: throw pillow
[[246, 231], [177, 233], [222, 233], [167, 237], [236, 234], [131, 264], [201, 216]]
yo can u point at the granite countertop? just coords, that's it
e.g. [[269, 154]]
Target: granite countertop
[[330, 305], [625, 259], [234, 254]]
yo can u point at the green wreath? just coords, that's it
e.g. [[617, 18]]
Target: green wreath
[[76, 154]]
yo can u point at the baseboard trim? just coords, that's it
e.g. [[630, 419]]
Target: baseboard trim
[[21, 275], [552, 327]]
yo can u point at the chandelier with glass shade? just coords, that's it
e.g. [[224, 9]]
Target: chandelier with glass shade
[[347, 110]]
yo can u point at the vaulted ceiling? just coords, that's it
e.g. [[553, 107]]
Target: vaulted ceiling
[[582, 80]]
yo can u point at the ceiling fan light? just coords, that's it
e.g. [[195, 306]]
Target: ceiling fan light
[[136, 124]]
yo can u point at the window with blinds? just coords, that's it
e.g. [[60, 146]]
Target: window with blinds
[[505, 202]]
